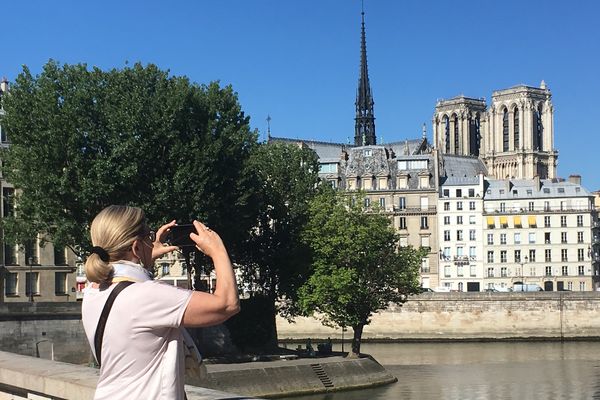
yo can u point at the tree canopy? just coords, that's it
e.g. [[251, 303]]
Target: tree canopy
[[358, 268], [278, 260], [82, 139]]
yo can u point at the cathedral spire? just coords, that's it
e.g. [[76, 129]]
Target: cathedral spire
[[364, 131]]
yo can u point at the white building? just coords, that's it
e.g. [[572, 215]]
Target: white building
[[539, 231], [460, 230]]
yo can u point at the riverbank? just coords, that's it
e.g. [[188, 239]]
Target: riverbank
[[469, 317], [22, 377]]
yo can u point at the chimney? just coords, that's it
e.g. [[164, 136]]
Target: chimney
[[536, 183], [576, 179]]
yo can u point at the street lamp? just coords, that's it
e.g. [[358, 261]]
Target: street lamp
[[523, 262]]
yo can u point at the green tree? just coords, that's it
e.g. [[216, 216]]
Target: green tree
[[276, 260], [82, 139], [358, 267]]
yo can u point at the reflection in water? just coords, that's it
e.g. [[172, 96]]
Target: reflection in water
[[473, 371]]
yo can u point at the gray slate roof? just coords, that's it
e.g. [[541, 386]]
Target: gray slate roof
[[461, 166], [548, 188]]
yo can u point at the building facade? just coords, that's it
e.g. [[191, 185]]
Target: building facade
[[539, 232]]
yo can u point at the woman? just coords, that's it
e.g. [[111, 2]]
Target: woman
[[142, 348]]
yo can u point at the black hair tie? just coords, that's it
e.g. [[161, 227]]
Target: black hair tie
[[103, 254]]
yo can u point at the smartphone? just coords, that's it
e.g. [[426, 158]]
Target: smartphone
[[179, 235]]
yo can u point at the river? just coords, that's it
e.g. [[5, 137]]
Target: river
[[473, 371]]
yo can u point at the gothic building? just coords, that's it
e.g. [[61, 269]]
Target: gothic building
[[514, 137]]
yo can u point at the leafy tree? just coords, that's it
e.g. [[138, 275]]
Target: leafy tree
[[358, 267], [276, 262], [82, 139]]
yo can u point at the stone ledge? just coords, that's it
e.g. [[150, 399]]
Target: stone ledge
[[45, 379]]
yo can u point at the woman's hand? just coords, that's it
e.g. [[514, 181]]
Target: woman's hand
[[159, 249], [207, 240]]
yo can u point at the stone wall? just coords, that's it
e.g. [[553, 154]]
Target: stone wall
[[472, 316]]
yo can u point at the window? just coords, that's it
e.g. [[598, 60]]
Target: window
[[529, 192], [563, 237], [472, 270], [582, 286], [166, 268], [458, 192], [459, 235], [490, 238], [367, 202], [546, 222], [10, 283], [531, 208], [446, 206], [490, 272], [505, 137], [60, 283], [548, 271], [382, 202], [446, 253], [579, 237], [472, 252], [503, 238], [581, 270], [563, 221], [30, 253], [446, 236], [328, 168], [446, 192], [425, 265], [32, 283], [532, 237], [402, 203], [402, 223], [8, 204], [472, 219], [516, 128], [459, 251], [502, 207], [548, 255], [531, 255], [501, 191], [368, 153], [332, 183], [502, 256], [561, 190], [580, 254], [547, 237], [425, 241], [10, 257], [517, 256], [447, 271], [490, 257], [564, 255], [471, 192], [59, 256], [580, 220], [517, 238], [472, 234], [424, 223], [546, 203], [459, 220], [471, 205], [459, 205], [565, 270], [459, 270], [503, 272]]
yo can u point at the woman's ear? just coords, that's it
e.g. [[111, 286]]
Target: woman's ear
[[135, 249]]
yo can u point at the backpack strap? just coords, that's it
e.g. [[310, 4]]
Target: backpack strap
[[104, 316]]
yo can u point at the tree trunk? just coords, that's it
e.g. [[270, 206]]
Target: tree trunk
[[358, 330]]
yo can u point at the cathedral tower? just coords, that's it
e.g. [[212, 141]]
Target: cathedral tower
[[364, 131], [457, 126], [520, 136]]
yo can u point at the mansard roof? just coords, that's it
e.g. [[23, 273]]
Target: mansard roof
[[460, 166], [500, 189]]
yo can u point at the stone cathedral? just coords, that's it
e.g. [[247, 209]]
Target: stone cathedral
[[514, 136]]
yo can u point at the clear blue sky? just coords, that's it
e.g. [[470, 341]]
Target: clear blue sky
[[298, 61]]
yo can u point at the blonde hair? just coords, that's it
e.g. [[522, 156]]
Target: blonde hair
[[114, 229]]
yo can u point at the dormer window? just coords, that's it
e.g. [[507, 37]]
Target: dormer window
[[368, 152]]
